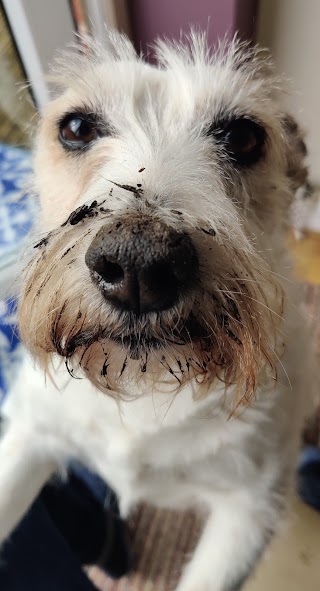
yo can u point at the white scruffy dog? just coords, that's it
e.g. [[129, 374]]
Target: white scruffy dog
[[157, 276]]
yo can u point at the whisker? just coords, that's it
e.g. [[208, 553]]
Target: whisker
[[252, 299], [169, 406]]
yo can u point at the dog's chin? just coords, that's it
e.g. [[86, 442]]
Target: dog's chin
[[114, 360], [137, 362], [138, 343]]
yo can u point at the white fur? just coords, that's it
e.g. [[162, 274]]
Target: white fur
[[171, 450]]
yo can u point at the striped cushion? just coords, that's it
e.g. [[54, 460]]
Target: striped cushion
[[162, 542]]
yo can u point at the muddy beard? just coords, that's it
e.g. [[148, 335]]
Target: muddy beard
[[219, 339], [226, 329]]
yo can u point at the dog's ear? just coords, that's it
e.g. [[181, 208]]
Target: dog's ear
[[297, 170]]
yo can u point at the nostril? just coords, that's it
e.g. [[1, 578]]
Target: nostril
[[110, 272]]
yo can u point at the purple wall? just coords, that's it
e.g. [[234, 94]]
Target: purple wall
[[153, 18]]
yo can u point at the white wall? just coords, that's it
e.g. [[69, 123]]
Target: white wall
[[51, 25], [39, 29], [291, 29]]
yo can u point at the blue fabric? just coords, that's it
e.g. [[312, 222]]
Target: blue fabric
[[10, 348], [17, 212], [309, 476], [65, 528], [17, 208], [37, 558]]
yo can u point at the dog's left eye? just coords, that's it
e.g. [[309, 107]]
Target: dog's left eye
[[242, 138], [77, 131]]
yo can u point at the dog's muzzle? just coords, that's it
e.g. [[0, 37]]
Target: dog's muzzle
[[141, 264]]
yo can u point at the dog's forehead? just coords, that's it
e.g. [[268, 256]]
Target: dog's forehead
[[194, 84], [156, 120], [186, 88]]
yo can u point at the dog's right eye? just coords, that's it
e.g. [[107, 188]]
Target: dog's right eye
[[77, 131], [243, 139]]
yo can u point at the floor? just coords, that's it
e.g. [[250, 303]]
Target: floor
[[292, 562]]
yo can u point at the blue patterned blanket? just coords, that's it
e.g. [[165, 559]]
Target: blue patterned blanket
[[10, 351], [17, 210], [16, 206]]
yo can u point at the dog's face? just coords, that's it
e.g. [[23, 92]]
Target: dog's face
[[160, 190]]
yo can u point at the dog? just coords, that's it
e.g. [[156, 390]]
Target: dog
[[157, 301]]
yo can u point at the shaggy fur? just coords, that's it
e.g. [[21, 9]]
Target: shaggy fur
[[199, 404]]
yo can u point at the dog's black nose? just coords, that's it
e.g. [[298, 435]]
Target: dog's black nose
[[141, 264]]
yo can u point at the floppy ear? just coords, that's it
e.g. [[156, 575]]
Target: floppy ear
[[297, 170]]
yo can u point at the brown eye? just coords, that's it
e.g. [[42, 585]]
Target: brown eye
[[78, 131], [243, 139]]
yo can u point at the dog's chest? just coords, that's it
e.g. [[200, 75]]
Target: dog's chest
[[165, 449], [173, 452]]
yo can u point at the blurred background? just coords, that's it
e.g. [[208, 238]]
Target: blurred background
[[30, 34]]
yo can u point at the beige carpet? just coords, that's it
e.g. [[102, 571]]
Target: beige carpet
[[162, 542]]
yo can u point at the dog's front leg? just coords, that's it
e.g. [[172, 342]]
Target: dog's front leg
[[235, 535], [23, 472]]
